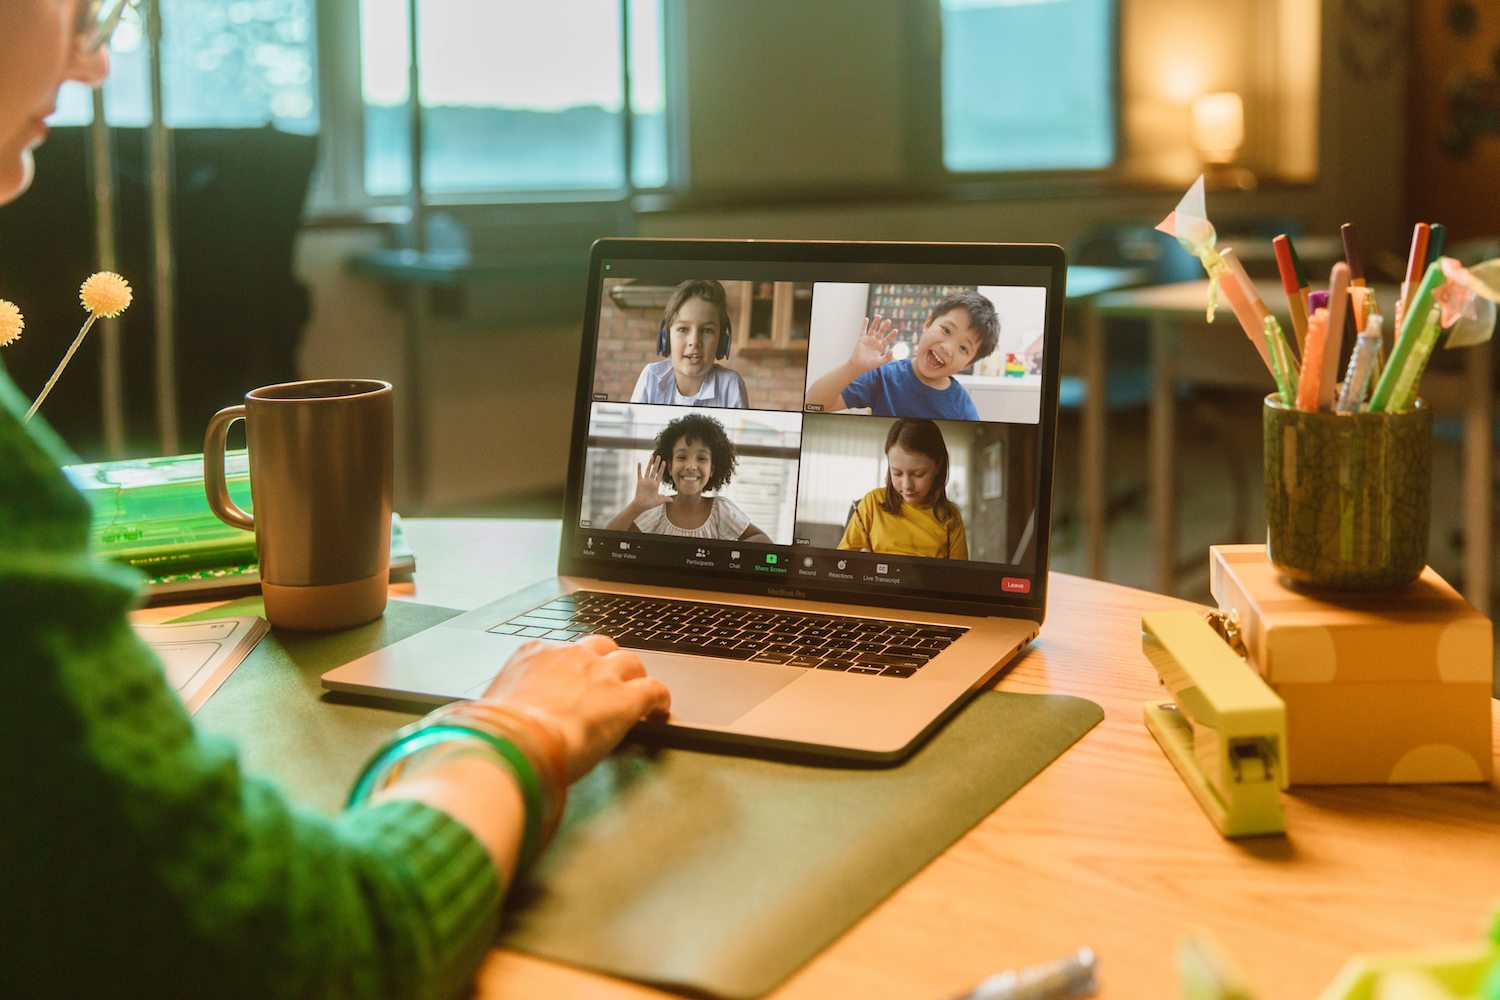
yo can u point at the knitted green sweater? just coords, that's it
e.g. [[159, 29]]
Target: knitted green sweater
[[135, 858]]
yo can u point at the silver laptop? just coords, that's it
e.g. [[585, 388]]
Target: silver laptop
[[810, 483]]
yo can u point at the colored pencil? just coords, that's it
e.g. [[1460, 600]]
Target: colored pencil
[[1252, 322], [1292, 286], [1383, 399], [1356, 263], [1338, 301], [1310, 381], [1435, 241], [1416, 263]]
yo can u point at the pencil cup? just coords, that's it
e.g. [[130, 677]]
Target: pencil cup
[[321, 471], [1348, 496]]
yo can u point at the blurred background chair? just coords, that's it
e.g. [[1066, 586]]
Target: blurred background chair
[[1160, 260]]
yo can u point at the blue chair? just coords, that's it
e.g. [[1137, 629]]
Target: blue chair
[[1162, 261], [1128, 347]]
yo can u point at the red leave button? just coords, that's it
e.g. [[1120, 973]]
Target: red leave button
[[1015, 585]]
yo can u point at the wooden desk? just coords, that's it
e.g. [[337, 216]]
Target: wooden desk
[[1184, 349], [1104, 848]]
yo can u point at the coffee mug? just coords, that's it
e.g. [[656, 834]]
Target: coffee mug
[[321, 470]]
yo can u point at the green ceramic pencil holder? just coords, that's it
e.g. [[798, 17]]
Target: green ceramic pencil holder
[[1348, 496]]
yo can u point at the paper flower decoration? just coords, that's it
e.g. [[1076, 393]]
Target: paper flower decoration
[[1467, 299], [11, 323], [1189, 224], [103, 294]]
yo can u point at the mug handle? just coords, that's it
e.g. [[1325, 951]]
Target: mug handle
[[215, 439]]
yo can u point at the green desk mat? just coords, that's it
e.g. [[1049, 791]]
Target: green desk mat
[[704, 873]]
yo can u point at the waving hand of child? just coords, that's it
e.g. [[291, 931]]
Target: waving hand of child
[[872, 348], [647, 495]]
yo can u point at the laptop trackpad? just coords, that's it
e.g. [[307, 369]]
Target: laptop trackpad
[[715, 692]]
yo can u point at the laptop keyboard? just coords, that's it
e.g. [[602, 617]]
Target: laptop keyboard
[[816, 642]]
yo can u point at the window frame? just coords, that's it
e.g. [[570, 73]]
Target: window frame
[[339, 185], [925, 114]]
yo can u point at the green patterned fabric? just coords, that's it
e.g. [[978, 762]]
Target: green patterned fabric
[[1348, 496], [138, 857]]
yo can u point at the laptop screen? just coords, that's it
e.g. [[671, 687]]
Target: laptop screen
[[869, 423]]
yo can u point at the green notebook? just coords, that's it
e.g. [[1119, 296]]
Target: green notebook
[[153, 514], [699, 872]]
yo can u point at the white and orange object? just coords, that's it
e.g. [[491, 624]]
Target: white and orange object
[[1248, 307], [1188, 224], [1310, 381]]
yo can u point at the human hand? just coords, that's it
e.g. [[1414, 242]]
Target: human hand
[[873, 348], [648, 485], [589, 692]]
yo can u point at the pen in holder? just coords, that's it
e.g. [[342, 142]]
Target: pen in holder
[[1348, 495]]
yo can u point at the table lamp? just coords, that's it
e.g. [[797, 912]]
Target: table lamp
[[1218, 133]]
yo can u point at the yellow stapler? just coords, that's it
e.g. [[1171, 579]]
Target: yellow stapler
[[1224, 731]]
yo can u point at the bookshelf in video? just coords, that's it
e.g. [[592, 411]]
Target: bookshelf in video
[[835, 426]]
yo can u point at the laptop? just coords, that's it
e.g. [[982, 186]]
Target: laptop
[[844, 532]]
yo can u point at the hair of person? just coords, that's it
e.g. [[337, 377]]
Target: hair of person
[[706, 430], [709, 291], [921, 437], [982, 317]]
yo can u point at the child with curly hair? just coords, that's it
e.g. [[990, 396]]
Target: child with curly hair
[[693, 456]]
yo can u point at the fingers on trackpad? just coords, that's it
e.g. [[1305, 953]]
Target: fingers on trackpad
[[715, 692]]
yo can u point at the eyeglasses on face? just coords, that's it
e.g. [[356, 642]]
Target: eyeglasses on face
[[97, 21]]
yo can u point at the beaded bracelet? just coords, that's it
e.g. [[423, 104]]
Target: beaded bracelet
[[524, 742], [534, 735]]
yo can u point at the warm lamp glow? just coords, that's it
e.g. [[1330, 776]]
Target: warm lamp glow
[[1218, 126]]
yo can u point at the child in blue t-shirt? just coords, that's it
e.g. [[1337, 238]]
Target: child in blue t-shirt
[[961, 329]]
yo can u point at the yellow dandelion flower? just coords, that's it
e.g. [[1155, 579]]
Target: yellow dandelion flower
[[11, 323], [105, 294]]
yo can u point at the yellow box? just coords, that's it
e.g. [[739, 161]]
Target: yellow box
[[1392, 689]]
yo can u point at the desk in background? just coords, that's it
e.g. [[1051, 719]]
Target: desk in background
[[1185, 349], [1105, 848]]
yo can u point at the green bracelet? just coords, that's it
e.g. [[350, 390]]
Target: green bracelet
[[405, 743], [424, 737]]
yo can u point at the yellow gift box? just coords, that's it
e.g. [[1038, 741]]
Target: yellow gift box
[[1387, 689]]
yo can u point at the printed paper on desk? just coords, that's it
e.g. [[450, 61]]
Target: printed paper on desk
[[199, 656]]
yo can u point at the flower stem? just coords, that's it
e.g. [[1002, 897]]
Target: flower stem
[[62, 364]]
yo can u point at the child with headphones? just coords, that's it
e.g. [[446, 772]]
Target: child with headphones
[[694, 337]]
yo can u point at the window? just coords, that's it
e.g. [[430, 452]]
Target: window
[[1028, 85], [242, 63], [518, 97]]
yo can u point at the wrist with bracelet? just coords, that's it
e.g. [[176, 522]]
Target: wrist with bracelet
[[524, 741]]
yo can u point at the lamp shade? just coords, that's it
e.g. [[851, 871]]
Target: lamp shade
[[1218, 125]]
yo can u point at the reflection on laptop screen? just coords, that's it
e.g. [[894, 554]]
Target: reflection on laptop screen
[[840, 428]]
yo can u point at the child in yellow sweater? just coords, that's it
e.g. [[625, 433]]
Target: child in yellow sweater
[[911, 515]]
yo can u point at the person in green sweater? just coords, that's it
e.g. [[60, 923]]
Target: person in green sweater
[[135, 857]]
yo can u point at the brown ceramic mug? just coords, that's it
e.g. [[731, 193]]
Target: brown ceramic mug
[[321, 470]]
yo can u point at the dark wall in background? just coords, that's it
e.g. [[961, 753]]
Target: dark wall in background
[[1453, 112], [238, 197]]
